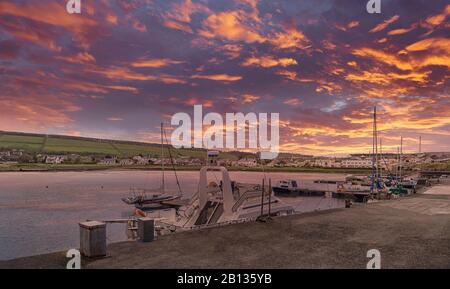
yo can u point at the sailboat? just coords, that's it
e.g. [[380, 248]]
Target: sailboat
[[401, 187], [143, 197], [378, 188], [221, 201]]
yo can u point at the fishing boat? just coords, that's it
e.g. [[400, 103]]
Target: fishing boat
[[398, 190], [317, 188], [357, 180], [286, 188]]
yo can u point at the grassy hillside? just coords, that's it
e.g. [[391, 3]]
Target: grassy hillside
[[53, 144], [28, 143]]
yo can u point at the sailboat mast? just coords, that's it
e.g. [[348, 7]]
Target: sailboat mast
[[401, 155], [375, 135], [397, 175], [381, 157], [377, 164], [162, 156], [420, 144], [373, 152]]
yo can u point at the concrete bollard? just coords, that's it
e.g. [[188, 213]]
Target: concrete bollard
[[93, 239], [146, 229]]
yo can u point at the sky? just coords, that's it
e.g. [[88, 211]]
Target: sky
[[121, 67]]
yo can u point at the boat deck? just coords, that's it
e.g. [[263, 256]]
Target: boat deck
[[175, 203]]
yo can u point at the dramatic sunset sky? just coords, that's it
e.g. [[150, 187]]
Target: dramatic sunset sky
[[122, 66]]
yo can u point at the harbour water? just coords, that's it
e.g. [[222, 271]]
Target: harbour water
[[40, 211]]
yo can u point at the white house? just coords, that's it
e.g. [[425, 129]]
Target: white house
[[108, 161], [142, 160], [326, 163], [126, 162], [54, 160], [356, 163], [247, 162]]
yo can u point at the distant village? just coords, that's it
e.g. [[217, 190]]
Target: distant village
[[354, 161]]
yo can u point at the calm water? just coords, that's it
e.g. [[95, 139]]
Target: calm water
[[40, 211]]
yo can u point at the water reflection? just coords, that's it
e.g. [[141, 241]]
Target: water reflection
[[40, 211]]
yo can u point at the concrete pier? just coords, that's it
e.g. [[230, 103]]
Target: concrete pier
[[410, 232]]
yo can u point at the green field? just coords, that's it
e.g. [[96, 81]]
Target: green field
[[58, 145], [27, 143], [132, 150], [69, 145]]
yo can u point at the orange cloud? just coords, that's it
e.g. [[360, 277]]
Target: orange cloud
[[111, 18], [229, 26], [350, 25], [438, 54], [248, 98], [293, 101], [383, 57], [122, 88], [177, 26], [292, 75], [48, 80], [387, 78], [440, 18], [290, 39], [139, 26], [31, 34], [353, 24], [384, 24], [93, 87], [194, 101], [218, 77], [403, 30], [182, 11], [80, 58], [242, 25], [231, 50], [123, 73], [328, 45], [179, 16], [268, 61], [34, 112], [153, 63], [441, 44], [53, 14], [328, 86]]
